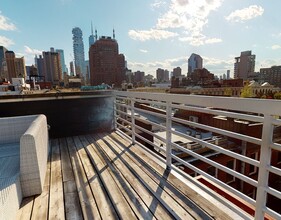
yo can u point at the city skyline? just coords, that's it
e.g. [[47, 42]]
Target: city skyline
[[151, 34]]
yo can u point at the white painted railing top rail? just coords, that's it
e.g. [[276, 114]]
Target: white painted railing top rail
[[252, 111]]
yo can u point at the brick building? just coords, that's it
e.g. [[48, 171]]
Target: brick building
[[106, 64]]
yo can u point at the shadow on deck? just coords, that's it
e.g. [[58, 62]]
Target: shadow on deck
[[103, 176]]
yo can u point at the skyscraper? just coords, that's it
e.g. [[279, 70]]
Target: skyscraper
[[20, 67], [52, 67], [39, 63], [195, 61], [91, 37], [62, 61], [244, 65], [2, 58], [177, 72], [10, 63], [78, 50], [106, 64]]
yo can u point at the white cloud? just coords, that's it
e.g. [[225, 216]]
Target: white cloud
[[143, 51], [191, 15], [157, 4], [31, 51], [5, 24], [200, 39], [6, 42], [275, 47], [152, 34], [244, 14], [213, 40]]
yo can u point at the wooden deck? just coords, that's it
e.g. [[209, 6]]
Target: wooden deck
[[103, 176]]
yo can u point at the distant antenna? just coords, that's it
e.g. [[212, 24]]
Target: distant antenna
[[96, 34], [113, 34], [92, 32]]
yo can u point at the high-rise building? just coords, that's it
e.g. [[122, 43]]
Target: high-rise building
[[52, 67], [39, 63], [177, 72], [78, 50], [71, 68], [106, 64], [272, 75], [91, 37], [195, 61], [160, 75], [62, 61], [2, 58], [10, 63], [244, 65], [166, 75], [20, 67], [228, 74], [139, 76]]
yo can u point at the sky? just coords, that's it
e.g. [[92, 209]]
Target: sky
[[151, 33]]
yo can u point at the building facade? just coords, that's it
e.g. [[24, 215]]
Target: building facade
[[52, 67], [106, 64], [62, 60], [78, 51], [177, 72], [10, 58], [39, 63], [272, 75], [195, 61], [2, 59], [20, 67], [244, 65]]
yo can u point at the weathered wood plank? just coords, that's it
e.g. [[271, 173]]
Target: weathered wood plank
[[104, 204], [24, 213], [71, 199], [161, 197], [87, 201], [136, 194], [120, 204], [199, 200], [160, 180], [56, 207], [41, 202]]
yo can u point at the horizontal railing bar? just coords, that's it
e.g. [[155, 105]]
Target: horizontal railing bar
[[126, 121], [219, 149], [122, 112], [150, 122], [149, 102], [217, 181], [275, 146], [273, 192], [272, 213], [151, 133], [220, 112], [219, 131], [150, 113], [217, 165], [276, 121], [232, 103], [127, 129], [123, 105], [149, 142], [274, 170]]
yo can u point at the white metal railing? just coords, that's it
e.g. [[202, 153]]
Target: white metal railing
[[253, 111]]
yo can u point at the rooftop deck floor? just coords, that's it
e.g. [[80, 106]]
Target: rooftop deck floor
[[103, 176]]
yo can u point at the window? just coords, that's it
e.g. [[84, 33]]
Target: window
[[231, 165], [253, 169]]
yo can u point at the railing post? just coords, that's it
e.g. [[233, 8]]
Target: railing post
[[114, 111], [265, 156], [168, 134], [133, 121]]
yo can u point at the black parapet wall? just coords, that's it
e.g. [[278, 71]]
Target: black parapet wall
[[67, 114]]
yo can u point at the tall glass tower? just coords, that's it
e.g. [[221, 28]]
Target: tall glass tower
[[78, 50]]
